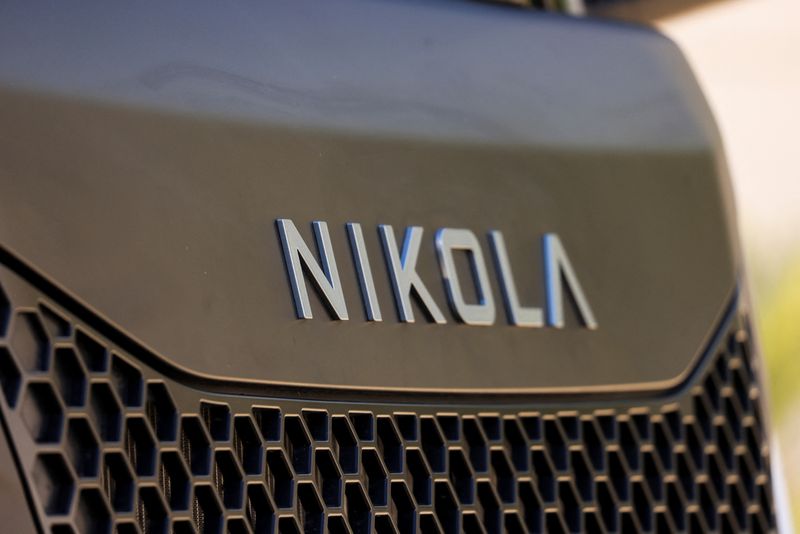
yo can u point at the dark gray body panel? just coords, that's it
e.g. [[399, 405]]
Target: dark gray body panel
[[142, 167]]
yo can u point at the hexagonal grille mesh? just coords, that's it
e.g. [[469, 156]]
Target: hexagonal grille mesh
[[105, 442]]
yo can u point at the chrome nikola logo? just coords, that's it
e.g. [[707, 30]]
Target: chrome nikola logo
[[321, 269]]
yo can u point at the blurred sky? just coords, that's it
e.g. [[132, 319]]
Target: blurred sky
[[746, 54]]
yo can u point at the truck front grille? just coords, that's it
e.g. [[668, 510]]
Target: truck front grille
[[104, 441]]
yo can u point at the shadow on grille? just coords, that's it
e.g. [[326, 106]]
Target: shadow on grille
[[106, 443]]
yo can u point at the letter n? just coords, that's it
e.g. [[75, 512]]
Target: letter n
[[300, 261]]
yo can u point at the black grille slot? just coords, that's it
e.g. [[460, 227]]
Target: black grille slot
[[105, 442]]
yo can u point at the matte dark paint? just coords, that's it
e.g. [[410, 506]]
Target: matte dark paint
[[142, 168]]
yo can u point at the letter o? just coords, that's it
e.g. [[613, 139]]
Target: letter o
[[448, 240]]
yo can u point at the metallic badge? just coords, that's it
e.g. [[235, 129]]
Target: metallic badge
[[321, 270]]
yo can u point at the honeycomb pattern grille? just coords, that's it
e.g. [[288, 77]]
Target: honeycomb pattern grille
[[105, 443]]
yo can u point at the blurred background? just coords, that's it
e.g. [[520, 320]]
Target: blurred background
[[746, 54]]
